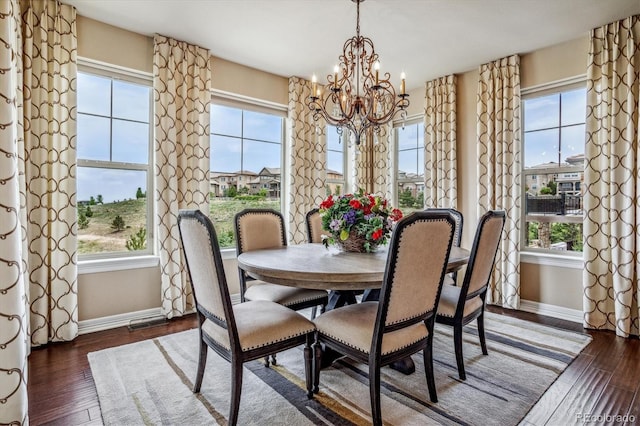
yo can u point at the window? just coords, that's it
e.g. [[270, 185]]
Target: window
[[554, 140], [114, 167], [246, 154], [336, 179], [409, 142]]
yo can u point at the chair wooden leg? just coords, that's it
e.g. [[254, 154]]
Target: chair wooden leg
[[427, 356], [273, 359], [457, 342], [308, 366], [374, 393], [317, 362], [202, 361], [266, 361], [236, 389], [483, 343]]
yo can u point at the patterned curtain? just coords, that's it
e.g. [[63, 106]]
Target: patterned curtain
[[14, 338], [611, 239], [49, 79], [181, 84], [440, 177], [308, 159], [499, 167], [373, 162]]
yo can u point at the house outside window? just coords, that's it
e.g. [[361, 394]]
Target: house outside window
[[336, 160], [114, 173], [553, 168], [246, 155], [409, 177]]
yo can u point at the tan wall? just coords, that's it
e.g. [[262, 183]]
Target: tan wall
[[543, 284]]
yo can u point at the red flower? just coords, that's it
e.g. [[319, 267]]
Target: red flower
[[327, 203], [396, 215], [377, 234], [355, 204], [366, 209]]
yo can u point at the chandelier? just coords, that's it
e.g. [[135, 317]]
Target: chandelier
[[357, 97]]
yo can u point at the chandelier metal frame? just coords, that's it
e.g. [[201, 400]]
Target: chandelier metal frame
[[357, 97]]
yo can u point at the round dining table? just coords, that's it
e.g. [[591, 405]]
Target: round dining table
[[312, 265]]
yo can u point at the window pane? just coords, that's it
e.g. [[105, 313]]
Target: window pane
[[93, 137], [574, 107], [540, 147], [225, 154], [420, 164], [408, 163], [94, 94], [573, 140], [542, 112], [226, 121], [335, 162], [333, 139], [262, 127], [408, 137], [130, 142], [100, 205], [257, 155], [131, 101]]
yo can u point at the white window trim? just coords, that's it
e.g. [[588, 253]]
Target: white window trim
[[572, 260], [114, 261]]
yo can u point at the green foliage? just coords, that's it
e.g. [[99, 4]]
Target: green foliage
[[244, 190], [407, 200], [263, 193], [92, 201], [249, 197], [118, 223], [88, 212], [338, 190], [83, 222], [571, 233], [532, 232], [232, 191], [226, 238], [140, 194], [545, 190], [99, 199], [137, 241], [327, 190]]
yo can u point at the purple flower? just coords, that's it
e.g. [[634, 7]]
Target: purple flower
[[350, 217], [335, 224]]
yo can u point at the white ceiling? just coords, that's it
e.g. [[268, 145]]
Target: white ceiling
[[424, 38]]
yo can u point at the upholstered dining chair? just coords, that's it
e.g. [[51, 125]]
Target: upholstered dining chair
[[452, 278], [241, 332], [460, 305], [401, 322], [314, 226]]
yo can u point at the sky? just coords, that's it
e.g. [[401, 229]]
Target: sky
[[116, 128]]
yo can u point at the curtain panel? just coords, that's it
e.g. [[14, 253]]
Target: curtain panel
[[374, 162], [307, 159], [440, 177], [181, 85], [499, 169], [611, 181], [49, 154], [14, 338]]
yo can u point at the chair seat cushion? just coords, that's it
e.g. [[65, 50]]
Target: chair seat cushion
[[260, 323], [353, 325], [449, 301], [282, 294]]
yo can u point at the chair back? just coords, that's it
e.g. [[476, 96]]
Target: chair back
[[205, 268], [416, 264], [258, 229], [457, 217], [314, 226], [483, 254]]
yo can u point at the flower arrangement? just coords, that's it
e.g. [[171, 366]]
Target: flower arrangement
[[357, 222]]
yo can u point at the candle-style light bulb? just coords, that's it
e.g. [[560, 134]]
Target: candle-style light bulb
[[335, 76], [376, 67], [402, 77], [314, 85]]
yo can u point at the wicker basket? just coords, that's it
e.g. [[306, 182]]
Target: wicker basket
[[355, 243]]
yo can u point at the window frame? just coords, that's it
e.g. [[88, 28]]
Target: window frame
[[544, 256], [397, 124], [109, 261], [344, 144]]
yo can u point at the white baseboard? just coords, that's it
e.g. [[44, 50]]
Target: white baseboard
[[554, 311], [114, 321]]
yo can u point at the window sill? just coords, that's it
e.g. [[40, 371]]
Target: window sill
[[561, 261], [117, 264]]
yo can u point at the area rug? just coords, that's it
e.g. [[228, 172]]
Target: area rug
[[150, 382]]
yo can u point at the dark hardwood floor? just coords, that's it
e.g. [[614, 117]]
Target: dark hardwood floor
[[603, 381]]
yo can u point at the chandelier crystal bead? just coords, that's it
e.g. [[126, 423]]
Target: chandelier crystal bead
[[357, 97]]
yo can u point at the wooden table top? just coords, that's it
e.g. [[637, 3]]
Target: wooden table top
[[314, 266]]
